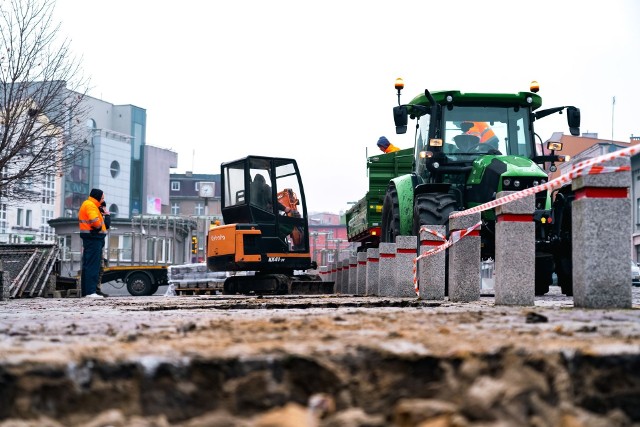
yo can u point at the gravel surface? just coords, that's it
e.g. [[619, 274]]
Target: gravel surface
[[330, 333]]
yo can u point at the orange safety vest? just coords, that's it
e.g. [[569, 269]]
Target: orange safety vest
[[483, 131], [289, 199], [90, 218], [390, 149]]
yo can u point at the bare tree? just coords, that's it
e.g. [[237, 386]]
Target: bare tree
[[42, 117]]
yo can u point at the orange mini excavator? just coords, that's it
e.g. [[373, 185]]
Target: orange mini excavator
[[265, 231]]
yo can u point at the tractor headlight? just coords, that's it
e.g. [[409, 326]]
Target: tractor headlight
[[516, 183], [535, 183], [506, 182]]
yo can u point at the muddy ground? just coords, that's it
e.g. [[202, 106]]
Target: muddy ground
[[316, 361]]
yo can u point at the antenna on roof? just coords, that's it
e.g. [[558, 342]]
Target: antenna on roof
[[613, 105], [193, 158]]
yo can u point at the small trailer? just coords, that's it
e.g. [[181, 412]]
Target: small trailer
[[141, 280]]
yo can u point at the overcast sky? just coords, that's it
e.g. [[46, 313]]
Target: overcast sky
[[314, 80]]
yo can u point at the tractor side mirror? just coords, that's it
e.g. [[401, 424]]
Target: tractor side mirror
[[400, 117], [573, 120]]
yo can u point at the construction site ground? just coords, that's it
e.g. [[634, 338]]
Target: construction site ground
[[316, 361]]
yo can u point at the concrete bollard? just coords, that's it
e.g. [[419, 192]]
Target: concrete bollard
[[353, 274], [387, 269], [338, 285], [515, 263], [4, 288], [464, 261], [372, 286], [601, 243], [324, 273], [334, 272], [344, 281], [406, 252], [361, 273], [431, 269]]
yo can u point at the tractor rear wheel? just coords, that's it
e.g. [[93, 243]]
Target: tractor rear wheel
[[432, 209], [390, 215]]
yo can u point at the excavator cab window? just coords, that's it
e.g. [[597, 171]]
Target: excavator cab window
[[290, 206]]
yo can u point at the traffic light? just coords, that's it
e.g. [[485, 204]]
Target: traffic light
[[194, 245]]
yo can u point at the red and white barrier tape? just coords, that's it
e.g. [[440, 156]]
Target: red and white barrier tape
[[586, 167], [453, 238]]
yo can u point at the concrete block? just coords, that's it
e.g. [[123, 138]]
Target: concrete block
[[74, 293], [4, 286], [339, 277], [334, 271], [324, 273], [431, 269], [515, 264], [372, 286], [515, 252], [387, 269], [344, 282], [406, 253], [353, 275], [464, 261], [361, 273], [612, 180], [601, 246]]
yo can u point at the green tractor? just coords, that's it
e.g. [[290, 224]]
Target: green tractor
[[470, 146]]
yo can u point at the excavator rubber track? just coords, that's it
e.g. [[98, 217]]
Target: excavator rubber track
[[277, 284]]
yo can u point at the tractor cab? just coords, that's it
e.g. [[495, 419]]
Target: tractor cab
[[266, 194]]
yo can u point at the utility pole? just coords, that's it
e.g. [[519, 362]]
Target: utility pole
[[613, 106]]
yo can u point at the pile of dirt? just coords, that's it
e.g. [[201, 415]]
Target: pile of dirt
[[316, 361]]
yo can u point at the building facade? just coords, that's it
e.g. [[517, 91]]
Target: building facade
[[187, 200]]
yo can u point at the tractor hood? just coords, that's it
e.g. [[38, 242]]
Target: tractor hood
[[504, 166]]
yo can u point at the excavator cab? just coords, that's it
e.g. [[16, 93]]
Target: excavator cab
[[266, 229]]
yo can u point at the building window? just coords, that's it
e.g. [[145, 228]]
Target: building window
[[199, 209], [19, 217], [64, 243], [3, 218], [27, 221], [120, 248], [46, 232], [113, 210], [175, 209], [48, 190], [115, 169], [175, 185], [151, 250]]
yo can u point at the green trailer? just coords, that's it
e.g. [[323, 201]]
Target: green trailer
[[364, 218]]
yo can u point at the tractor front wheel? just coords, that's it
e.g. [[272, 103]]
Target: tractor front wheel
[[390, 215], [432, 209]]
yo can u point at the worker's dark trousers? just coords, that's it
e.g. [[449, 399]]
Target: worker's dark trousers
[[91, 262]]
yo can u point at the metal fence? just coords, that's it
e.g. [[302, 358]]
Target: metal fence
[[27, 267]]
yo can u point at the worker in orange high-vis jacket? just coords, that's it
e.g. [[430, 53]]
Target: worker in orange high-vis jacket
[[483, 131], [92, 231], [386, 146]]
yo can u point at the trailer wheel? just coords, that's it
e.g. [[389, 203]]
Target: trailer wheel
[[139, 284], [390, 215]]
